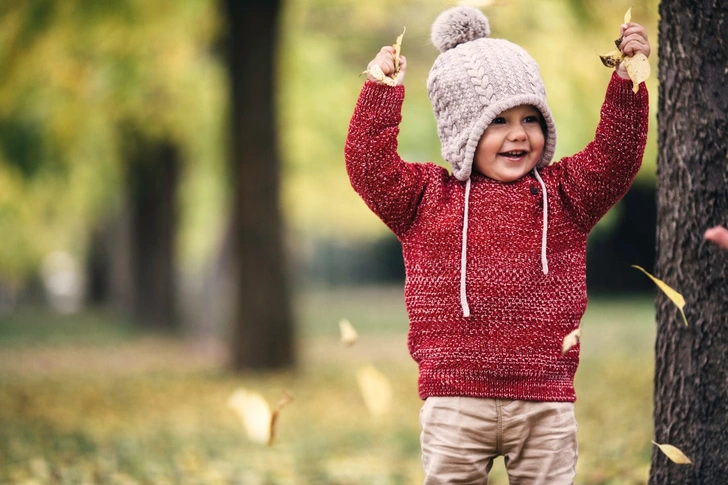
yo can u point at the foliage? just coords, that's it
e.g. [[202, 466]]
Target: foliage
[[152, 410], [75, 71]]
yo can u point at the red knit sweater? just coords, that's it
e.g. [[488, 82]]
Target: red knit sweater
[[510, 346]]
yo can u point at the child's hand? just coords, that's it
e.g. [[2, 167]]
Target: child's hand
[[385, 60], [634, 40]]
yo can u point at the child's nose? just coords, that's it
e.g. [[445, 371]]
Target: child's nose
[[517, 132]]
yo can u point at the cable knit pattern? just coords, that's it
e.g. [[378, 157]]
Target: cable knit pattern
[[510, 346]]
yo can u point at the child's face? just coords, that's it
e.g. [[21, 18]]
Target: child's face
[[511, 145]]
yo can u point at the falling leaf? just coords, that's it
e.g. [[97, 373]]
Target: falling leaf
[[571, 340], [674, 454], [637, 66], [256, 415], [375, 389], [348, 333], [376, 72], [673, 295]]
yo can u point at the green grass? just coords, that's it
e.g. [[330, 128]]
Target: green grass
[[30, 326], [124, 407]]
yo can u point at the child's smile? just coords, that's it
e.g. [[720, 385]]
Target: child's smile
[[512, 144]]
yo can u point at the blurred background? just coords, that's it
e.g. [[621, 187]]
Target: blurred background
[[120, 188]]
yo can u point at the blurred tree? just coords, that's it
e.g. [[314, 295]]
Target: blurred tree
[[263, 322], [97, 141], [691, 372], [152, 179]]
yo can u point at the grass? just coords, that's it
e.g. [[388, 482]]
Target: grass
[[86, 400]]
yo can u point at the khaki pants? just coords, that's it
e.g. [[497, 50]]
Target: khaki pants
[[461, 436]]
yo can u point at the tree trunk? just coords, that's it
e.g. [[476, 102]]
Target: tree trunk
[[691, 373], [263, 327], [152, 180]]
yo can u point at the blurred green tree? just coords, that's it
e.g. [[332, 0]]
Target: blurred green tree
[[691, 372], [96, 134]]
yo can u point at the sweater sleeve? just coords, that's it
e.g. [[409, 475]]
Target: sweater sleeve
[[390, 186], [596, 178]]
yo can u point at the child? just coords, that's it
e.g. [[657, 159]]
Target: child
[[495, 253]]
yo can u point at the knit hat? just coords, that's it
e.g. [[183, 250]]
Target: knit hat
[[473, 80]]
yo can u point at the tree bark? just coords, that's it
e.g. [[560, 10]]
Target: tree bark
[[691, 372], [263, 329]]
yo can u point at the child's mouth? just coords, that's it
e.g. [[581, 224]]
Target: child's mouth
[[516, 154]]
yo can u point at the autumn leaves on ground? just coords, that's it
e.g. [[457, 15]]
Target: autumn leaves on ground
[[88, 400]]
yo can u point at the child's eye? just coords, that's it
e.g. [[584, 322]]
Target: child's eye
[[531, 119], [499, 120]]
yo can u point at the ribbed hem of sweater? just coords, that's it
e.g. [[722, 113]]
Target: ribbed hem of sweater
[[474, 383]]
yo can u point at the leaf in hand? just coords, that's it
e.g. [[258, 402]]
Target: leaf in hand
[[637, 66], [376, 72], [674, 454], [628, 15], [673, 295], [397, 49], [612, 59]]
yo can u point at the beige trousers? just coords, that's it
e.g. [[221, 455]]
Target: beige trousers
[[461, 436]]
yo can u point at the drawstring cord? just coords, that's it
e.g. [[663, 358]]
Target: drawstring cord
[[463, 253], [544, 261]]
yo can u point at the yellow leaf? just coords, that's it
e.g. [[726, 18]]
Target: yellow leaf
[[349, 335], [673, 295], [256, 415], [376, 72], [375, 389], [637, 66], [638, 69], [570, 340], [397, 48], [674, 454], [612, 59]]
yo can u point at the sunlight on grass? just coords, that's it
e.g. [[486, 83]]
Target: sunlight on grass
[[153, 411]]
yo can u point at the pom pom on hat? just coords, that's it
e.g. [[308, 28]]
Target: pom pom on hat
[[458, 25]]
